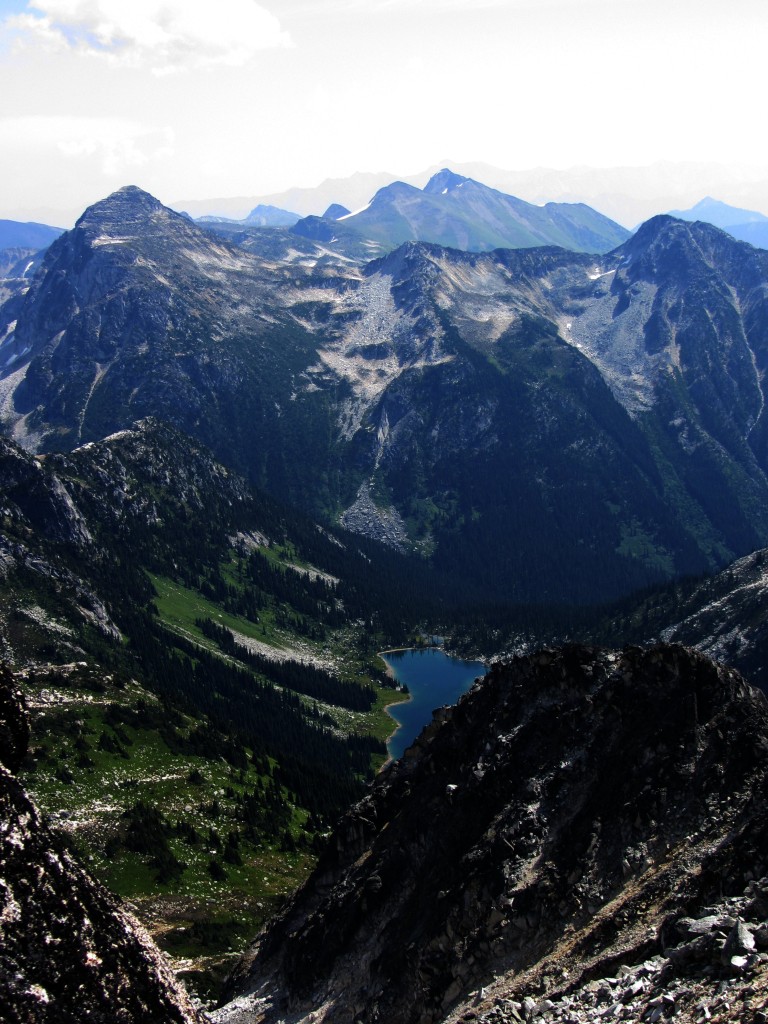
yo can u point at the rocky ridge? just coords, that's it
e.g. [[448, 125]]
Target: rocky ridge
[[718, 971], [726, 617], [581, 834]]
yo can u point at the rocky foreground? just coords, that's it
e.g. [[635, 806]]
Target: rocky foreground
[[583, 837], [68, 952]]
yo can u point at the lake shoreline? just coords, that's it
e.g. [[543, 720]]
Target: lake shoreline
[[391, 675]]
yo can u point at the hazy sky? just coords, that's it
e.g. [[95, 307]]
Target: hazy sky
[[192, 99]]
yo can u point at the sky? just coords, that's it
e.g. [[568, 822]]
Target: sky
[[191, 99]]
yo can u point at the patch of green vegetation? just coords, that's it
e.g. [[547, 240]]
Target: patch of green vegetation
[[348, 650], [158, 814], [181, 607], [638, 543]]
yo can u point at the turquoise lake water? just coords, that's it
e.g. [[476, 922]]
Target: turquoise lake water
[[433, 679]]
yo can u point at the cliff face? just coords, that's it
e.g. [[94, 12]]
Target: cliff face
[[68, 953], [560, 821]]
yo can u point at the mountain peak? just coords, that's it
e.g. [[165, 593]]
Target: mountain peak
[[336, 211], [126, 206], [666, 246], [444, 181], [721, 214], [395, 190], [683, 237]]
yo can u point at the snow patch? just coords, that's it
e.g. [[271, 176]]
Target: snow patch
[[355, 212], [108, 240]]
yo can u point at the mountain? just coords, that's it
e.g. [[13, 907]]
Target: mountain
[[70, 952], [341, 236], [21, 251], [455, 211], [271, 216], [626, 194], [580, 837], [746, 225], [17, 268], [720, 214], [756, 233], [193, 325], [260, 216], [353, 191], [18, 262], [726, 618], [336, 211], [15, 235], [543, 425]]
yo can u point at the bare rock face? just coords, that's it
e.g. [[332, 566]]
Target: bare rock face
[[68, 953], [559, 822]]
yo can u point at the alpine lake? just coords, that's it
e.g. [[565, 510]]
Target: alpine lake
[[433, 679]]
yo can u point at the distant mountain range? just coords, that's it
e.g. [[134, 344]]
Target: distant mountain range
[[746, 225], [261, 216], [450, 210], [16, 235], [625, 194], [353, 191], [459, 212], [544, 424], [21, 249]]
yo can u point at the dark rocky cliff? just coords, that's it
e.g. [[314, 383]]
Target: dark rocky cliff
[[68, 952], [560, 821]]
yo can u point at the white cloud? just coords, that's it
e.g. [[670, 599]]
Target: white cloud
[[164, 35], [115, 145]]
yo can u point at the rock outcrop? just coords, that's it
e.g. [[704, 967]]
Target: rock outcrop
[[68, 952], [579, 816]]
